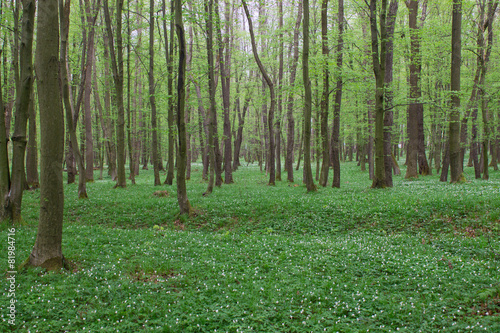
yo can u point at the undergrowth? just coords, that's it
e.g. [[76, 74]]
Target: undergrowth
[[421, 256]]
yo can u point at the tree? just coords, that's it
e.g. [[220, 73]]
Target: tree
[[338, 99], [307, 102], [152, 97], [379, 64], [417, 161], [290, 119], [169, 54], [456, 59], [325, 166], [71, 114], [47, 251], [184, 205], [270, 84], [4, 159], [117, 67], [23, 96]]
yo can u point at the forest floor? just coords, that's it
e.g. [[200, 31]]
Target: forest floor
[[423, 256]]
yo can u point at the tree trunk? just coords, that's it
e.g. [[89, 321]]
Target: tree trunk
[[4, 159], [379, 70], [71, 114], [47, 251], [291, 122], [89, 142], [23, 95], [307, 101], [338, 100], [390, 162], [212, 124], [184, 205], [415, 107], [280, 91], [325, 146], [117, 67], [270, 84], [169, 54], [225, 72], [152, 97], [454, 131], [32, 150]]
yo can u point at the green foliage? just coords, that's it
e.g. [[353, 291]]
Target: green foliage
[[422, 256]]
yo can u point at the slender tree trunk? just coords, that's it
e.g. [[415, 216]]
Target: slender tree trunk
[[169, 54], [270, 84], [280, 91], [325, 166], [71, 114], [4, 159], [152, 97], [89, 142], [307, 101], [117, 67], [454, 131], [23, 95], [184, 205], [290, 119], [338, 99], [212, 129], [225, 71], [47, 251]]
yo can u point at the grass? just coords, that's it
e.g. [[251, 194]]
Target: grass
[[423, 256]]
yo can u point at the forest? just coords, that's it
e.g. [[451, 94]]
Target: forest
[[250, 165]]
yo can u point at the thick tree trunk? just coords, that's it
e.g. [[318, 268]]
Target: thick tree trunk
[[47, 251], [32, 177], [379, 70], [415, 108]]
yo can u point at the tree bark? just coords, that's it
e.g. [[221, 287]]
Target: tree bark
[[454, 130], [280, 91], [184, 205], [308, 177], [47, 251], [379, 71], [325, 146], [152, 97], [4, 159], [32, 177], [169, 54]]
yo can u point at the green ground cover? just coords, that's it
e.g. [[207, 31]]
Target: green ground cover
[[422, 256]]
